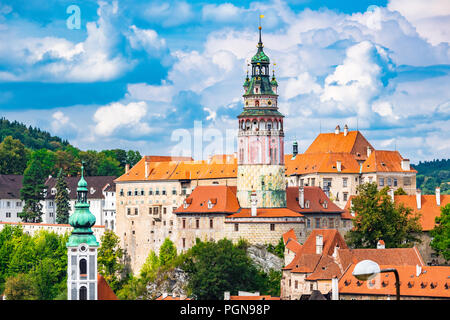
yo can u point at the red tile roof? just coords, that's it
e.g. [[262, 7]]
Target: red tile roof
[[224, 198], [316, 197], [266, 213], [104, 291], [429, 209], [289, 235], [433, 281], [320, 163]]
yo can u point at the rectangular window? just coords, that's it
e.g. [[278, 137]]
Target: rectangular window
[[345, 196], [157, 191], [330, 223], [142, 192], [308, 223], [135, 192], [129, 192], [197, 223], [389, 182], [155, 210], [184, 242], [164, 210], [301, 182], [272, 227], [8, 214], [395, 182], [174, 191], [407, 181], [381, 182], [184, 225], [211, 223], [236, 227], [135, 211], [344, 182], [150, 192], [317, 223], [313, 182], [164, 191], [296, 284], [327, 182], [128, 211], [121, 192]]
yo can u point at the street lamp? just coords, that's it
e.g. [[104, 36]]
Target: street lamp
[[368, 269]]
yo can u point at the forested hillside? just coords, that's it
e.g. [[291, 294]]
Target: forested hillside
[[21, 145], [432, 174]]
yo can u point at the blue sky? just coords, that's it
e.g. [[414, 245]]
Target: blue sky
[[137, 73]]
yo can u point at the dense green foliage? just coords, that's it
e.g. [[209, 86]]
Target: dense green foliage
[[216, 267], [378, 218], [441, 233], [277, 250], [19, 144], [110, 259], [432, 174], [32, 267], [32, 138]]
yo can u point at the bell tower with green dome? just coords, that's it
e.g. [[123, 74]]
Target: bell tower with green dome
[[82, 249], [261, 138]]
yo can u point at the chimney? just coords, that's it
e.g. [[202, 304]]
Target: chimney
[[127, 168], [438, 196], [419, 199], [391, 194], [164, 295], [337, 130], [369, 151], [334, 289], [226, 295], [405, 165], [301, 197], [294, 149], [146, 170], [319, 244], [338, 165], [345, 130], [254, 203], [380, 244], [418, 270]]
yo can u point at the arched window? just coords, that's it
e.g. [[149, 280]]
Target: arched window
[[83, 267], [83, 293], [257, 102]]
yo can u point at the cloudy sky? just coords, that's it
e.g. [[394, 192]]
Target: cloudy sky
[[143, 74]]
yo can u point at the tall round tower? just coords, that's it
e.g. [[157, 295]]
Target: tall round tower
[[261, 138]]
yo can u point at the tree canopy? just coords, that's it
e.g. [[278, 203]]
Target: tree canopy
[[441, 233], [379, 218]]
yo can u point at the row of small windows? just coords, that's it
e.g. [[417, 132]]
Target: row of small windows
[[151, 210], [323, 223], [141, 192]]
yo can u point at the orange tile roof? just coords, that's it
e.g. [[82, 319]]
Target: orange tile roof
[[354, 142], [429, 209], [224, 197], [104, 291], [181, 168], [289, 235], [320, 163], [384, 161], [433, 281], [326, 269]]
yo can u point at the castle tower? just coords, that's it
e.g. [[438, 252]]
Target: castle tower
[[82, 249], [261, 138]]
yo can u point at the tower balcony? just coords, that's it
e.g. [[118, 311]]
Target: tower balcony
[[275, 133]]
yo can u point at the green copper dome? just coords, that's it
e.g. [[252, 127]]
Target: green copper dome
[[260, 57], [82, 219]]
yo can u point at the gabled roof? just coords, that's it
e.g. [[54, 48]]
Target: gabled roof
[[96, 185], [10, 185], [384, 161], [432, 281], [307, 254], [223, 198], [290, 235], [429, 209], [104, 291], [354, 142]]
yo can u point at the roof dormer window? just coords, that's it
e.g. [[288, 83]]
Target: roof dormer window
[[307, 204], [325, 204], [53, 191], [92, 190]]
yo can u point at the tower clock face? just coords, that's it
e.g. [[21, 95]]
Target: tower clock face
[[269, 103]]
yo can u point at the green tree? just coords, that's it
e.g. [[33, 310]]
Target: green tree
[[110, 257], [44, 279], [441, 233], [167, 253], [377, 217], [133, 157], [20, 287], [62, 200], [32, 192], [400, 192], [108, 166], [13, 156], [217, 267]]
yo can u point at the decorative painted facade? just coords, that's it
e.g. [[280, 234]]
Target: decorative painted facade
[[261, 138]]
